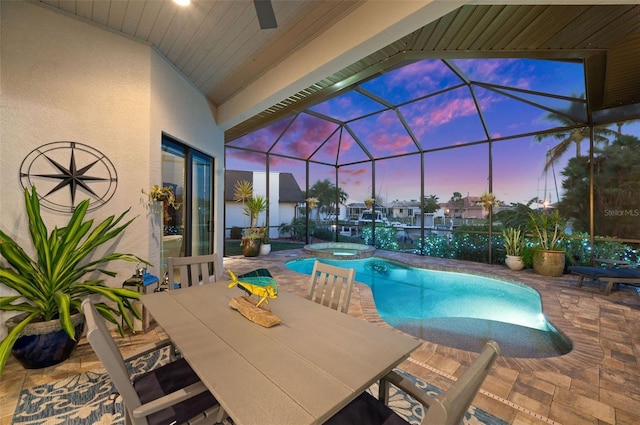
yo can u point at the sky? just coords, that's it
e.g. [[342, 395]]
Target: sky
[[515, 97]]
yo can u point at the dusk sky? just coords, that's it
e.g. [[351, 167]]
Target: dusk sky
[[441, 112]]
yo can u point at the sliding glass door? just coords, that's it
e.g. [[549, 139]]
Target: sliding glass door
[[187, 228], [201, 204]]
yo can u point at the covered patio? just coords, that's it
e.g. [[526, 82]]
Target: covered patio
[[597, 382], [122, 75]]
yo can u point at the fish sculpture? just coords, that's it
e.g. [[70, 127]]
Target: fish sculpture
[[264, 287]]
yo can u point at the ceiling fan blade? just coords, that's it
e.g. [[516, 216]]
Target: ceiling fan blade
[[266, 17]]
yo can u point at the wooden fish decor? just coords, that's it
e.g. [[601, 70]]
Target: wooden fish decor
[[263, 286]]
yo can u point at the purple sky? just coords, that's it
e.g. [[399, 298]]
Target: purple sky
[[441, 120]]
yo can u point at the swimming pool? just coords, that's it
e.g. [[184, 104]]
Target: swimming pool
[[457, 309]]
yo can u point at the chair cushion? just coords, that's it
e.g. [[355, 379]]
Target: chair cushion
[[165, 380], [366, 410], [598, 272], [592, 272]]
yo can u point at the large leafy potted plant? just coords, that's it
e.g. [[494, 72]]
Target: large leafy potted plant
[[51, 286], [253, 236], [548, 230]]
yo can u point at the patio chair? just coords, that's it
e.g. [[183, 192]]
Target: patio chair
[[331, 286], [447, 408], [172, 393], [194, 270], [609, 276]]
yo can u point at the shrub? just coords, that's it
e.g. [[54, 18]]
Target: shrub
[[235, 233], [386, 237]]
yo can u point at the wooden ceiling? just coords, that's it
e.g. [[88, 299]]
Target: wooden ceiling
[[219, 47], [216, 44]]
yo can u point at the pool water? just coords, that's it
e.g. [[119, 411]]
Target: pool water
[[456, 309]]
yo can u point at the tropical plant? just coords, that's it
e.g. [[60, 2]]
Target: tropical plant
[[430, 204], [297, 228], [513, 241], [235, 232], [515, 216], [488, 200], [51, 286], [571, 136], [369, 202], [242, 190], [162, 194], [328, 197], [255, 205], [548, 229], [616, 185]]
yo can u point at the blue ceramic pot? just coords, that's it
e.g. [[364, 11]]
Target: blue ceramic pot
[[44, 344]]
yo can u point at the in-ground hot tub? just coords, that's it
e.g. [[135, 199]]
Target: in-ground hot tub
[[340, 250]]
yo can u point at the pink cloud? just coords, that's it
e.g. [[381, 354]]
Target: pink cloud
[[421, 77], [353, 172]]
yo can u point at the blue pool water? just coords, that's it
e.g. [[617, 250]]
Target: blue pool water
[[456, 309]]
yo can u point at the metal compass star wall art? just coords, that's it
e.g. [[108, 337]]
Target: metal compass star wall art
[[65, 173]]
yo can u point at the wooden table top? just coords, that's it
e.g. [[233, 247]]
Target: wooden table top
[[301, 371]]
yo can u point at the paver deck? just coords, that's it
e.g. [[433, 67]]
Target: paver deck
[[598, 382]]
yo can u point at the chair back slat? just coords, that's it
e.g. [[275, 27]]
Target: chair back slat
[[194, 270], [331, 286]]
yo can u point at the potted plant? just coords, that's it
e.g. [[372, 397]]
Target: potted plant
[[161, 194], [51, 286], [265, 246], [548, 230], [368, 202], [253, 236], [514, 245]]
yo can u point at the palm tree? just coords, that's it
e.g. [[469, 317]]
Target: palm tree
[[325, 192], [430, 204], [568, 137]]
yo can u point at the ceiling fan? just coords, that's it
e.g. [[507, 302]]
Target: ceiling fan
[[266, 17]]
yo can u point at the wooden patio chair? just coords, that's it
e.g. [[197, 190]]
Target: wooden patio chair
[[194, 270], [172, 393], [447, 408], [331, 286]]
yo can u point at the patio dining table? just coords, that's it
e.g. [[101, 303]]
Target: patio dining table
[[301, 371]]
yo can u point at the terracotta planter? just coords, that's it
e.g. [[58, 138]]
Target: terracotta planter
[[514, 262], [43, 344], [548, 263], [250, 247]]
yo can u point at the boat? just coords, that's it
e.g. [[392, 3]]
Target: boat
[[367, 217]]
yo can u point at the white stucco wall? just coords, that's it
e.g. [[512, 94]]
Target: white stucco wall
[[182, 112], [64, 80]]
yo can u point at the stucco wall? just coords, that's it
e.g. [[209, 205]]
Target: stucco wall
[[64, 80], [179, 110]]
